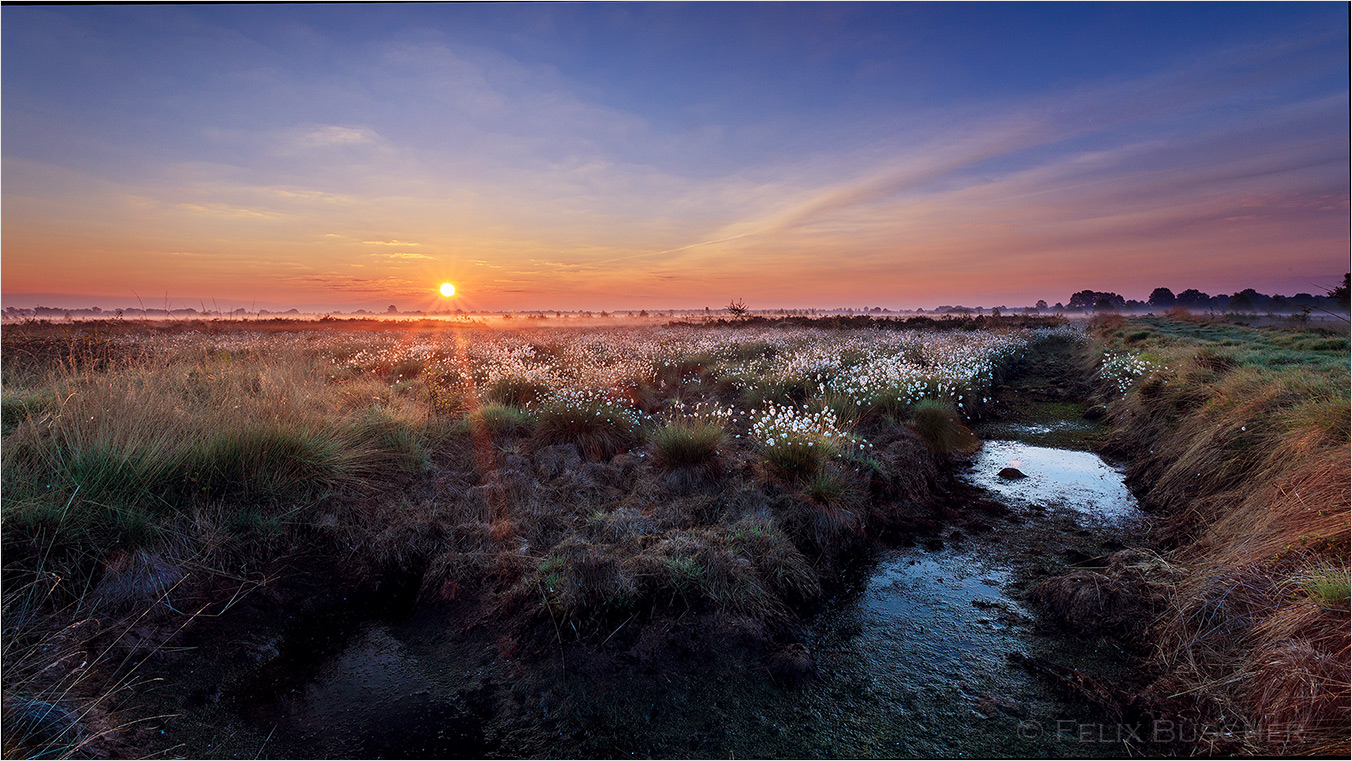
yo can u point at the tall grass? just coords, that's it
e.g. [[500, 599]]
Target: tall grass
[[1245, 457], [939, 427]]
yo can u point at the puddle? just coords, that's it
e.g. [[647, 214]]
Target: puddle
[[918, 658], [1069, 434], [1056, 478]]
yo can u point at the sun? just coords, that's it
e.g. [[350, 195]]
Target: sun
[[447, 289]]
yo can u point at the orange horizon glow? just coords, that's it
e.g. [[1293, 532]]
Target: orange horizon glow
[[404, 147]]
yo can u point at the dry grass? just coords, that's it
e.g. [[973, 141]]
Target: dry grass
[[1243, 450], [578, 482]]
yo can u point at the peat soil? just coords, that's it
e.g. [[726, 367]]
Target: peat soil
[[930, 646]]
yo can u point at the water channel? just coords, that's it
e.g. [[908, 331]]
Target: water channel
[[922, 655]]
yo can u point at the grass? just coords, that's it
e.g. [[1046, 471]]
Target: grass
[[497, 420], [547, 477], [939, 427], [514, 391], [687, 443], [1240, 436], [1328, 586], [599, 425]]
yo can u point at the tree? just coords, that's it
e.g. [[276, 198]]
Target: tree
[[1097, 300], [1082, 300], [737, 308], [1242, 301], [1340, 293], [1162, 298], [1193, 298], [1109, 302], [1041, 305], [391, 310]]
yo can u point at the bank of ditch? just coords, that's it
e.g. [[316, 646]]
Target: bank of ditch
[[1237, 440]]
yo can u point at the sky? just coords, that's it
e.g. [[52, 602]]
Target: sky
[[653, 155]]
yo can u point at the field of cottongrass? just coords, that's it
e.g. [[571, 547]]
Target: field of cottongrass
[[568, 481]]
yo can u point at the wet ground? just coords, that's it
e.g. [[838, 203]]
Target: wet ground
[[923, 654]]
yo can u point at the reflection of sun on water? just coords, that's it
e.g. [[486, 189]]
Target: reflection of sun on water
[[447, 290]]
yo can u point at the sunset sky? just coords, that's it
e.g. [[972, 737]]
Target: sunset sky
[[616, 156]]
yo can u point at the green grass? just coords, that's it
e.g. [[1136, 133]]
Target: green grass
[[600, 426], [16, 408], [686, 443], [518, 392], [828, 488], [798, 458], [497, 420], [938, 426], [1329, 586]]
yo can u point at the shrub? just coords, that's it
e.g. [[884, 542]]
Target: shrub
[[938, 426]]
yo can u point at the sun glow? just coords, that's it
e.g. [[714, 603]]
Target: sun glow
[[447, 289]]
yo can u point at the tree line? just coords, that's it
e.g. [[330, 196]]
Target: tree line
[[1247, 300]]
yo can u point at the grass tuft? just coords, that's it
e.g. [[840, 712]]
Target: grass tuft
[[1329, 586], [687, 443], [599, 425], [938, 426]]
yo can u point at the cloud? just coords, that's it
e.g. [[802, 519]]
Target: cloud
[[405, 255], [334, 135]]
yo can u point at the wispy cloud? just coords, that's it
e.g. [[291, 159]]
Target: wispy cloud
[[405, 255], [335, 135]]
